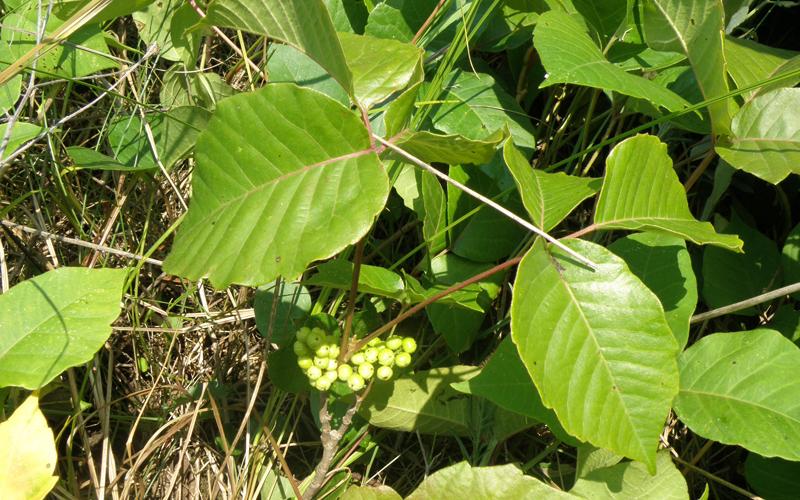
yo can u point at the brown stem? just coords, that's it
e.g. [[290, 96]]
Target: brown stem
[[699, 170], [330, 441], [351, 299], [430, 300], [580, 232], [427, 22]]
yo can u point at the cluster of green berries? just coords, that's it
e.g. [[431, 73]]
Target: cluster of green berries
[[317, 355]]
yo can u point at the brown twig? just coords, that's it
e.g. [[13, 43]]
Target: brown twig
[[700, 169], [430, 300], [351, 300], [427, 22], [330, 441]]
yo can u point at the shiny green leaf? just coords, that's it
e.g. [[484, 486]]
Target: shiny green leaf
[[641, 192], [371, 279], [631, 480], [450, 149], [606, 333], [251, 217], [738, 388], [750, 63]]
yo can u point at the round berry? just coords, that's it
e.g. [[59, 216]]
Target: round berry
[[314, 339], [300, 348], [366, 370], [409, 345], [394, 343], [386, 357], [313, 373], [355, 382], [384, 373], [358, 358], [305, 362], [302, 333], [323, 351], [374, 342], [344, 372], [332, 364], [331, 375], [322, 384], [402, 359], [371, 354], [333, 351], [321, 363]]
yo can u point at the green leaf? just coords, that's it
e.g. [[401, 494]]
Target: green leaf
[[772, 478], [694, 28], [606, 333], [28, 454], [381, 492], [284, 372], [423, 193], [251, 217], [89, 159], [750, 63], [303, 24], [85, 53], [10, 93], [294, 305], [641, 192], [21, 133], [165, 23], [174, 134], [591, 458], [398, 19], [276, 487], [570, 56], [729, 277], [549, 198], [502, 481], [55, 321], [737, 388], [423, 402], [456, 324], [64, 9], [380, 67], [186, 88], [474, 106], [289, 65], [371, 279], [348, 15], [790, 257], [766, 139], [632, 480], [505, 382], [450, 149], [663, 263]]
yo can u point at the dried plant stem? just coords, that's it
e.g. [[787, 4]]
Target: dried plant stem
[[744, 304], [330, 441]]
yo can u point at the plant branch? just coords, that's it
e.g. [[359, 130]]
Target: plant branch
[[427, 22], [580, 232], [744, 304], [511, 215], [430, 300], [330, 440], [351, 299], [700, 169]]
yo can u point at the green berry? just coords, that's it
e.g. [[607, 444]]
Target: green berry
[[305, 362], [323, 351], [371, 354], [300, 348], [332, 364], [322, 384], [384, 373], [366, 370], [409, 345], [374, 342], [386, 357], [321, 363], [314, 339], [394, 343], [331, 375], [344, 372], [402, 359], [333, 351], [302, 333], [358, 358], [313, 373], [355, 382]]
